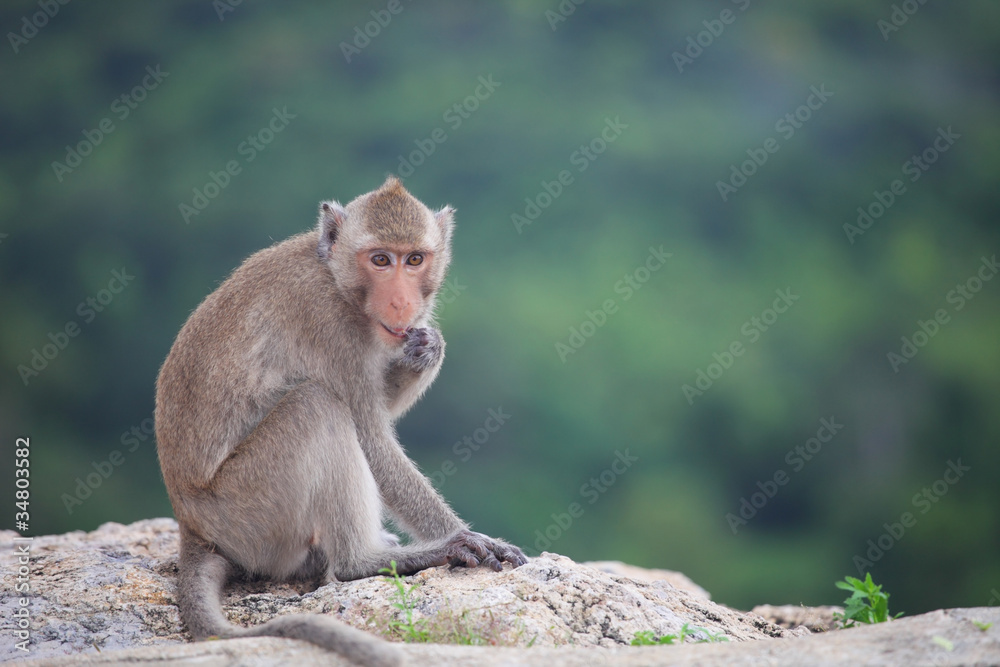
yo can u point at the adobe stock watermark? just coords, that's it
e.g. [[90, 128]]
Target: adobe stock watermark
[[31, 24], [121, 107], [468, 445], [449, 292], [752, 329], [85, 486], [581, 158], [627, 286], [959, 296], [363, 35], [914, 168], [22, 545], [223, 7], [924, 501], [796, 458], [454, 116], [563, 11], [21, 622], [87, 311], [22, 484], [786, 126], [696, 44], [899, 16], [248, 149], [591, 491]]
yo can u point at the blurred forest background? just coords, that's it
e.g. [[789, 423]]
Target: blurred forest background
[[647, 107]]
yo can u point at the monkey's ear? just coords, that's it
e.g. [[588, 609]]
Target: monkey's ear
[[331, 219], [446, 221]]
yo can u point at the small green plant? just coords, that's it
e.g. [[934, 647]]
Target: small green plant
[[408, 629], [944, 643], [473, 627], [982, 626], [712, 639], [867, 603], [647, 638]]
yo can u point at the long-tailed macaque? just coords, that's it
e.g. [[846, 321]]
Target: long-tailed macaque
[[275, 412]]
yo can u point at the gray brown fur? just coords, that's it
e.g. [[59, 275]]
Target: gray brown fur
[[393, 215], [274, 425]]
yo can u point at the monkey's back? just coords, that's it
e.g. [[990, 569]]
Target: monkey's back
[[238, 352]]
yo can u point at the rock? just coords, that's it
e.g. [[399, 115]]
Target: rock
[[107, 597], [675, 579], [817, 619], [109, 589], [114, 588]]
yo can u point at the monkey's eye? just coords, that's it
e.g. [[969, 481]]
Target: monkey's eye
[[415, 259], [380, 260]]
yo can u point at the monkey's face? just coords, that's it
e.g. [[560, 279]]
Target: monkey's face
[[388, 254], [397, 279]]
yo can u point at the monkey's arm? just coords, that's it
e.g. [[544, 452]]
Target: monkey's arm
[[406, 492], [418, 508], [410, 376], [408, 495]]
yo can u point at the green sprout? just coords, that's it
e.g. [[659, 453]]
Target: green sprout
[[647, 638], [867, 603], [408, 628]]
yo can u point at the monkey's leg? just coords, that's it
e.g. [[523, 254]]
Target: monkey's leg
[[268, 509], [300, 483], [297, 483]]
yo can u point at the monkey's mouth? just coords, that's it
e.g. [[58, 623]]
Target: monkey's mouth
[[399, 332]]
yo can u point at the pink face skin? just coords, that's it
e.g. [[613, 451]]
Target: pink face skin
[[396, 299]]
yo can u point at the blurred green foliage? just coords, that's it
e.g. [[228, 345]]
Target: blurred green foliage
[[518, 289]]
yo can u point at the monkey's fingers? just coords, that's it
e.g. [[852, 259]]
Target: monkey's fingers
[[459, 562], [478, 543], [461, 552], [417, 337], [466, 558], [511, 554], [492, 563]]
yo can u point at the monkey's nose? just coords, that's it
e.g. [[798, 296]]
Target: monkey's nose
[[400, 305]]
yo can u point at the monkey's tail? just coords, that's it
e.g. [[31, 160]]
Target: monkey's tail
[[203, 575], [355, 645]]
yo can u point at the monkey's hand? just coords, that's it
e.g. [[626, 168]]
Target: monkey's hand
[[424, 348], [473, 549], [410, 374]]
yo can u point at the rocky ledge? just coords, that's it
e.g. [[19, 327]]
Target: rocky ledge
[[107, 597]]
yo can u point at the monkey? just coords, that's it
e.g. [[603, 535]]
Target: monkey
[[275, 419]]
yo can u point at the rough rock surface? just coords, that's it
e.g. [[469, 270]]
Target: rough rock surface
[[817, 619], [675, 579], [94, 593]]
